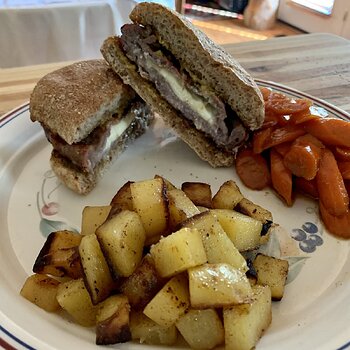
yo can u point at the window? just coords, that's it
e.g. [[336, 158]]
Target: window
[[324, 7]]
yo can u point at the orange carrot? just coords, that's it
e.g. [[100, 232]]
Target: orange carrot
[[302, 117], [302, 161], [334, 132], [308, 187], [266, 92], [260, 138], [308, 139], [281, 177], [282, 104], [252, 169], [330, 185], [269, 137], [283, 148], [341, 153], [304, 156], [344, 168], [337, 225]]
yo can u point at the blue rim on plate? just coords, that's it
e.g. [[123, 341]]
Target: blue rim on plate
[[9, 340]]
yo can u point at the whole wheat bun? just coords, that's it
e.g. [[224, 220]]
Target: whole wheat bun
[[73, 100], [127, 70], [202, 58]]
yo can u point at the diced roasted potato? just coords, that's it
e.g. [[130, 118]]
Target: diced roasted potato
[[198, 192], [180, 208], [75, 299], [217, 285], [247, 207], [148, 332], [93, 217], [228, 196], [41, 290], [245, 323], [272, 272], [171, 302], [112, 321], [178, 252], [150, 201], [243, 230], [168, 184], [218, 246], [122, 239], [122, 200], [59, 256], [97, 277], [143, 284], [202, 329]]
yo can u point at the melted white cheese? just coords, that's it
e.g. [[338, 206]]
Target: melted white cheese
[[185, 95], [117, 130]]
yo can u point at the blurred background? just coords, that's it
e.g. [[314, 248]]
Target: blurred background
[[44, 31]]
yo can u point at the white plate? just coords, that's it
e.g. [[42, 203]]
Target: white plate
[[314, 313]]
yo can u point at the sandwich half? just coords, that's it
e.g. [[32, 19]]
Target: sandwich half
[[199, 90], [89, 116]]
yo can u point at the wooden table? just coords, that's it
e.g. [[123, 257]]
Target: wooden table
[[318, 64]]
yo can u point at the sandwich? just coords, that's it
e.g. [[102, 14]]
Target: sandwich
[[89, 116], [199, 90]]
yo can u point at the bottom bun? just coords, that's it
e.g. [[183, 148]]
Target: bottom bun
[[197, 140]]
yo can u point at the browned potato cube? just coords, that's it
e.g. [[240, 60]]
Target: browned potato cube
[[150, 202], [202, 329], [143, 284], [97, 277], [180, 208], [148, 332], [245, 323], [228, 196], [272, 272], [112, 321], [198, 192], [247, 207], [75, 299], [217, 285], [59, 256], [168, 184], [122, 200], [170, 303], [41, 290], [93, 217]]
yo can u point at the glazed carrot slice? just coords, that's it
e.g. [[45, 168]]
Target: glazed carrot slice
[[304, 156], [283, 148], [307, 187], [269, 137], [330, 185], [302, 161], [334, 132], [302, 117], [342, 153], [344, 168], [252, 169], [281, 177], [337, 225], [308, 139], [260, 139], [282, 104], [266, 92]]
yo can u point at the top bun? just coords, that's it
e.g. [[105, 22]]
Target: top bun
[[206, 61], [74, 100]]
